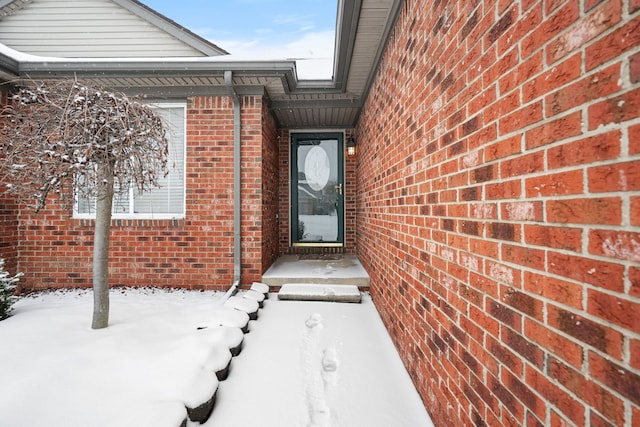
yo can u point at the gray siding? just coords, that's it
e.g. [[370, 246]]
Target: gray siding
[[87, 28]]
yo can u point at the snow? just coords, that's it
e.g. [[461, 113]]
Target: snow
[[254, 295], [302, 363], [27, 57], [292, 266], [319, 292], [306, 69], [247, 305], [318, 364], [260, 287]]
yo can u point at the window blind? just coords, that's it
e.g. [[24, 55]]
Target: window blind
[[166, 201]]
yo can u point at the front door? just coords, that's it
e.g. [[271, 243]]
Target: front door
[[317, 187]]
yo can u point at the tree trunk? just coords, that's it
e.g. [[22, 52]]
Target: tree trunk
[[104, 201]]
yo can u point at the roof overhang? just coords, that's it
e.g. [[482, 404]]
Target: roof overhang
[[362, 30]]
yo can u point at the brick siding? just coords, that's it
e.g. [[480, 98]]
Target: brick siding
[[284, 242], [8, 224], [55, 249], [499, 208], [270, 189]]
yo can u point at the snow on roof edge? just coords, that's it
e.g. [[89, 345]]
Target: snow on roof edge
[[27, 57], [30, 62]]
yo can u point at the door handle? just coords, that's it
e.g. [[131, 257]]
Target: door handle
[[339, 188]]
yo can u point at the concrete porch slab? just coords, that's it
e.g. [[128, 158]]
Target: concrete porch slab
[[332, 269]]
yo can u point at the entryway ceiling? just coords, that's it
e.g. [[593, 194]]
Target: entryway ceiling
[[362, 29]]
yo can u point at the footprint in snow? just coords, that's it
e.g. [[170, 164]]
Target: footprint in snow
[[319, 370], [329, 363], [314, 321], [329, 360]]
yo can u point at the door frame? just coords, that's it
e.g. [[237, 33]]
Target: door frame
[[293, 196]]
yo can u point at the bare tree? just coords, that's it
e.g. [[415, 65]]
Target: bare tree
[[73, 140]]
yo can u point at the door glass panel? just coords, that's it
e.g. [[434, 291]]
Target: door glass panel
[[318, 190]]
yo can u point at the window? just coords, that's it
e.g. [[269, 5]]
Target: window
[[165, 202]]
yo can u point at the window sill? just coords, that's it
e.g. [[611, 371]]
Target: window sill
[[173, 222]]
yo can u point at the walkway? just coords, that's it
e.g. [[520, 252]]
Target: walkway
[[318, 364]]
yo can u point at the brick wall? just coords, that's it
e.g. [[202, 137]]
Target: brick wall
[[9, 234], [195, 252], [8, 223], [270, 189], [499, 208], [253, 113], [283, 191], [350, 191]]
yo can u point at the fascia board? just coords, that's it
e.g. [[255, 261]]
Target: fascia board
[[312, 103], [9, 65], [396, 8], [159, 66], [128, 67], [346, 28], [181, 92], [172, 27]]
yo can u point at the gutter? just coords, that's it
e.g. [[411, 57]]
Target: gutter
[[237, 202], [9, 67]]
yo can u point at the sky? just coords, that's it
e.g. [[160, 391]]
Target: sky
[[303, 30]]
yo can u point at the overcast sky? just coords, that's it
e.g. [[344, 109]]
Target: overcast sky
[[263, 29]]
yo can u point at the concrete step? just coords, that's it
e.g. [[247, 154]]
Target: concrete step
[[316, 292]]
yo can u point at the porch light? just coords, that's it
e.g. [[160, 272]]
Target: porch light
[[352, 150]]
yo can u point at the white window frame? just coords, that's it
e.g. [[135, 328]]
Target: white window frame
[[168, 216]]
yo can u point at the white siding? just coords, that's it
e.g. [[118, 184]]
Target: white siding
[[87, 28]]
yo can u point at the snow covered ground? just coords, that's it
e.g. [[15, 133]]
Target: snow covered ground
[[302, 364]]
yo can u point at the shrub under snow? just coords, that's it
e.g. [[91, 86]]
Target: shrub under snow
[[7, 288]]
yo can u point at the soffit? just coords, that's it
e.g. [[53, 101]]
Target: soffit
[[370, 39]]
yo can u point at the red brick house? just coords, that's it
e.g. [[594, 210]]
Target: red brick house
[[494, 199]]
